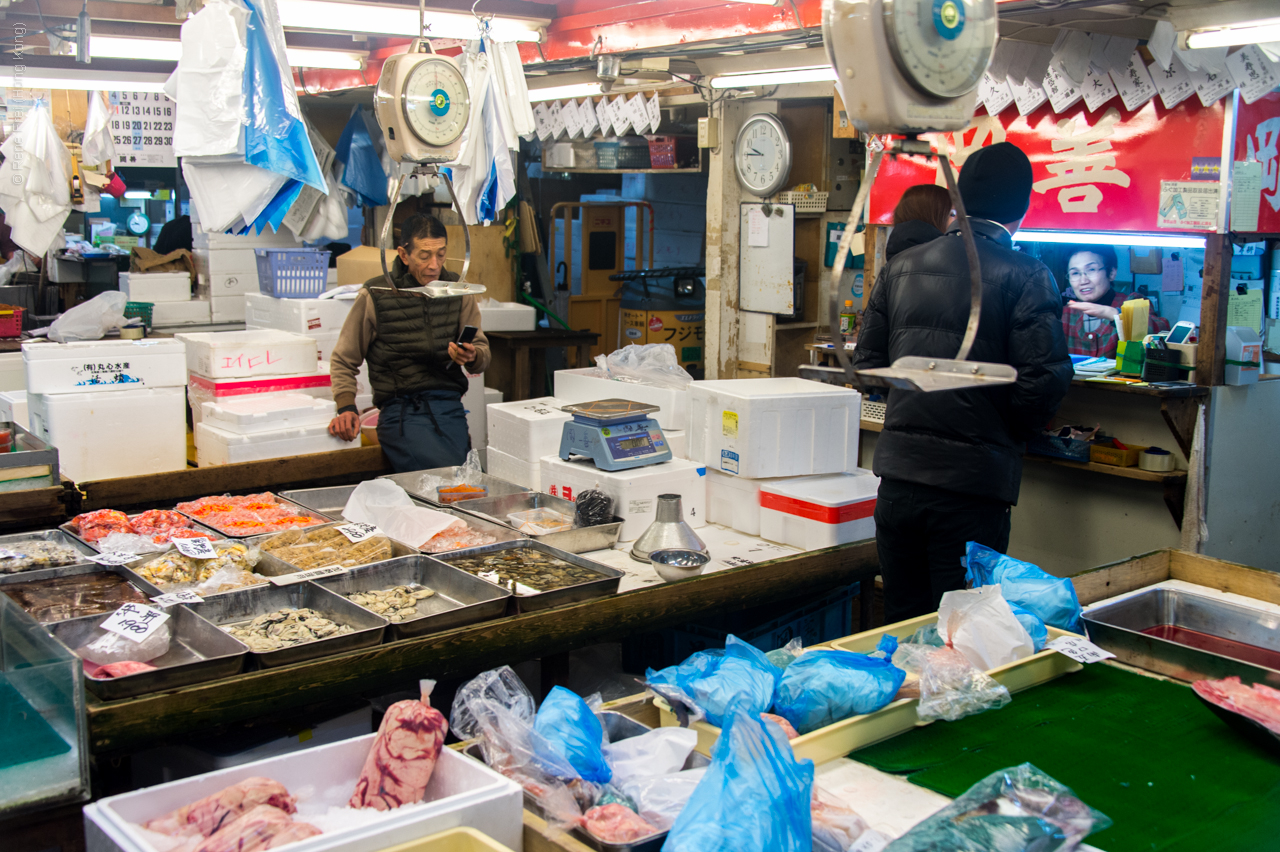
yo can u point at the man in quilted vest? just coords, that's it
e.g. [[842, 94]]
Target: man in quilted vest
[[417, 369]]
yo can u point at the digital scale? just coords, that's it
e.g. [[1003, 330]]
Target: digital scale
[[617, 434]]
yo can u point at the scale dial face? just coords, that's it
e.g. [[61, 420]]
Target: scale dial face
[[435, 102], [762, 156], [942, 47]]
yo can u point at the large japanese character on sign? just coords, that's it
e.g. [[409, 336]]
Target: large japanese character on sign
[[1085, 164], [1262, 146]]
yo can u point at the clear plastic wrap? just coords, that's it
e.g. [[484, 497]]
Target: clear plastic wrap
[[647, 364], [130, 543], [660, 799], [952, 688], [175, 569], [787, 654], [107, 647], [835, 827], [403, 756]]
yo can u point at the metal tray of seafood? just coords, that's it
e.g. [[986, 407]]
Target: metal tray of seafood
[[327, 501], [460, 598], [267, 566], [248, 604], [54, 537], [198, 652], [398, 548], [618, 727], [412, 483], [52, 574], [576, 540], [70, 530], [501, 533], [589, 590], [1221, 628], [302, 510]]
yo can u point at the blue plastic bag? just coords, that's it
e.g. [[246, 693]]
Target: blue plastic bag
[[712, 680], [362, 164], [823, 687], [1052, 598], [754, 797], [1033, 625], [568, 725]]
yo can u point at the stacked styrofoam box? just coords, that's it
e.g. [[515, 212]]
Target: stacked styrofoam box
[[250, 415], [634, 492], [257, 428], [13, 407], [319, 319], [112, 408], [735, 501], [201, 389], [473, 405], [774, 427], [190, 312], [461, 792], [584, 385], [507, 316], [13, 371], [678, 440], [227, 268], [811, 512], [527, 474], [521, 433], [259, 361], [156, 287]]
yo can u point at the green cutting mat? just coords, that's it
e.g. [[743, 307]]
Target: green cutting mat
[[24, 734], [1145, 752]]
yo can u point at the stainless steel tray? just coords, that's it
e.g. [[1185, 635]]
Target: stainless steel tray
[[302, 510], [503, 534], [327, 501], [268, 566], [605, 586], [411, 483], [577, 540], [248, 604], [69, 529], [198, 652], [398, 548], [57, 537], [75, 571], [1118, 628], [460, 598]]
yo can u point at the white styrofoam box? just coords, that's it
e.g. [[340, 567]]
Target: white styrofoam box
[[462, 792], [511, 469], [735, 501], [249, 415], [13, 371], [156, 286], [190, 312], [109, 435], [492, 397], [582, 385], [225, 308], [477, 418], [301, 316], [257, 352], [774, 427], [634, 492], [13, 407], [810, 512], [507, 316], [678, 440], [527, 429], [202, 389], [205, 240], [104, 365], [227, 271], [216, 446]]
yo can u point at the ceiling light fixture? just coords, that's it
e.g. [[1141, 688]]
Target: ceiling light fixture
[[323, 16], [560, 93], [818, 74], [77, 80], [1116, 238], [161, 50], [1250, 32]]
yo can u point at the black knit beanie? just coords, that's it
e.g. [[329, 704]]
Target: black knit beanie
[[995, 183]]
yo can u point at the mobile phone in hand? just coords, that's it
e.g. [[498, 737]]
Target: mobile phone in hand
[[468, 334]]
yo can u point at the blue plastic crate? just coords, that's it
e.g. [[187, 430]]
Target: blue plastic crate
[[300, 273]]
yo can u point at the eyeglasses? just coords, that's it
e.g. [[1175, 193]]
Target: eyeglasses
[[1088, 272]]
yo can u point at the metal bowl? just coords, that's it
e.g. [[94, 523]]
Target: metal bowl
[[674, 565]]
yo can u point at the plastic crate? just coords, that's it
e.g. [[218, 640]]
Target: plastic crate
[[1059, 448], [607, 155], [139, 309], [662, 152], [805, 202], [10, 321], [292, 273], [633, 156]]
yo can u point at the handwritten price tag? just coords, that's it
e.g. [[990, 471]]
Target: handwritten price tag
[[303, 576], [172, 598], [357, 533], [869, 841], [114, 557], [1079, 649], [135, 621], [195, 548]]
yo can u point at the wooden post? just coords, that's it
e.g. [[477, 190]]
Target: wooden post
[[1211, 353], [723, 196]]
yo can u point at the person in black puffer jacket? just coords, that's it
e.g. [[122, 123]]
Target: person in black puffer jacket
[[950, 462]]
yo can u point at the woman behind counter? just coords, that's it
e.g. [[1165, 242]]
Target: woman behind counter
[[1089, 318]]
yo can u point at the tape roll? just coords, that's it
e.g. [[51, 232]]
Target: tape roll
[[1155, 459], [136, 332]]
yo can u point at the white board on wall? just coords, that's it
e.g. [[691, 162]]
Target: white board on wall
[[766, 249]]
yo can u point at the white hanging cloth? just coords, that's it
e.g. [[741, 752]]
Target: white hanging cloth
[[483, 174], [1195, 531], [98, 146], [208, 83], [35, 182]]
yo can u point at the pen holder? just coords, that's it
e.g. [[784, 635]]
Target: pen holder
[[1130, 356], [1163, 365]]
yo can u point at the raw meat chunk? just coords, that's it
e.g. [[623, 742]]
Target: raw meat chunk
[[787, 727], [111, 670], [616, 824], [403, 756], [1260, 702], [264, 827], [206, 816]]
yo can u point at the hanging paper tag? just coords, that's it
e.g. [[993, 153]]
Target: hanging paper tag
[[590, 123], [618, 115], [357, 533], [1028, 98], [1096, 89], [303, 576], [604, 117], [1252, 72], [185, 597], [135, 621], [999, 95], [1079, 649], [1134, 83], [1174, 84], [655, 113], [195, 548], [572, 120], [114, 557], [637, 113], [557, 121], [542, 120], [1062, 92], [1211, 86]]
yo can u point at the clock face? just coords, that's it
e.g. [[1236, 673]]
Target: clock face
[[436, 102], [942, 47], [137, 223], [763, 155]]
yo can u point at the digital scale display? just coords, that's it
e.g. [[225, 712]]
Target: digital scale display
[[629, 448]]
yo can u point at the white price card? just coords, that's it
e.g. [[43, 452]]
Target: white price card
[[1062, 92], [1211, 86], [998, 94], [172, 598], [655, 113], [590, 122], [491, 577], [557, 120], [357, 533], [1134, 83], [1097, 89], [869, 841], [304, 576], [542, 120], [1079, 649], [135, 621], [1028, 98], [114, 557], [1252, 72], [618, 115], [1174, 84], [637, 114], [572, 119], [195, 548], [604, 117]]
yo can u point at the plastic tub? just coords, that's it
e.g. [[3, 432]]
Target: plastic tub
[[369, 428], [540, 521]]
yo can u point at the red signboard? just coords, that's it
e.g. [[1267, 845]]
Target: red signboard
[[1258, 138], [1097, 171]]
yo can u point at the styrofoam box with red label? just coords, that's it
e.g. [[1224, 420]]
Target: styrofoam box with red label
[[301, 316], [507, 316], [511, 469], [156, 286], [216, 446], [260, 352], [735, 501], [462, 792], [634, 492], [202, 389], [248, 415], [574, 386], [811, 512], [774, 427], [527, 429], [104, 365]]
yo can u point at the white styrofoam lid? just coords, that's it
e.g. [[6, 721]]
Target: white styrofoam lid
[[782, 386], [661, 470], [33, 351], [828, 489], [284, 405], [243, 338], [542, 408], [286, 433]]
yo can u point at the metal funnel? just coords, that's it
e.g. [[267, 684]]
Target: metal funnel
[[667, 532]]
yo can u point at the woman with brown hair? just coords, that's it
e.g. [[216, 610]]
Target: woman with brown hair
[[922, 215]]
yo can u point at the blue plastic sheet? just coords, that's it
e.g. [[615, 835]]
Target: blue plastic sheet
[[1033, 625], [572, 730], [754, 797], [824, 687], [362, 165], [1052, 598], [712, 680]]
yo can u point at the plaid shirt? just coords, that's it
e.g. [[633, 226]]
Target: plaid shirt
[[1103, 341]]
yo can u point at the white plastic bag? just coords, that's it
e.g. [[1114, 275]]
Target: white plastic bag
[[659, 800], [130, 543], [107, 647], [386, 505], [661, 751], [90, 320], [980, 625], [650, 364], [35, 182]]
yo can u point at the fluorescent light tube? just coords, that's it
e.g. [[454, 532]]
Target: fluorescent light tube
[[85, 80], [397, 20], [755, 2], [137, 193], [339, 60], [1109, 238], [1254, 32], [162, 50], [560, 93], [824, 73]]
